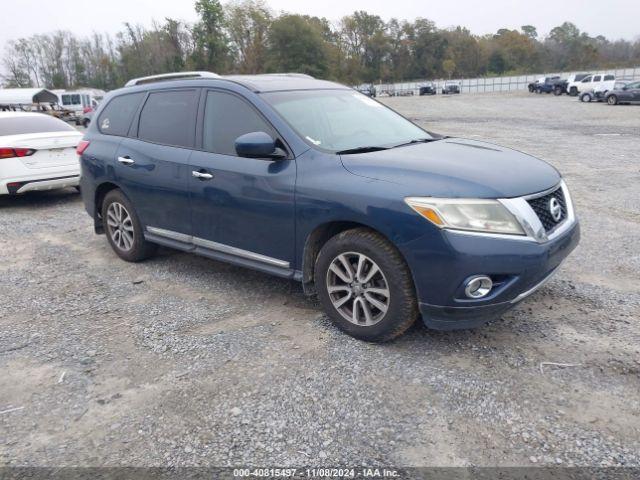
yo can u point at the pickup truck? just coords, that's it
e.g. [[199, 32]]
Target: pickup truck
[[548, 84], [573, 81]]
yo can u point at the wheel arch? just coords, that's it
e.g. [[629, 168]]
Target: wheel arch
[[100, 194], [320, 235]]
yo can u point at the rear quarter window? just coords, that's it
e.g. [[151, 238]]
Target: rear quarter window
[[32, 124], [116, 118]]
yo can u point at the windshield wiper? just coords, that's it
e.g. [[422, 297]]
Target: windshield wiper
[[349, 151], [417, 140]]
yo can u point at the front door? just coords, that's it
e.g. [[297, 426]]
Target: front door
[[241, 207]]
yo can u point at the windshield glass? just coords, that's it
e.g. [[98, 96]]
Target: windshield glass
[[336, 120]]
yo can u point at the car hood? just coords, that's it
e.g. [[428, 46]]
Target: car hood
[[456, 168]]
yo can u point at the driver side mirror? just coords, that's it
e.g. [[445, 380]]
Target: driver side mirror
[[258, 145]]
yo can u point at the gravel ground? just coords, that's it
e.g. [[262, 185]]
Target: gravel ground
[[184, 361]]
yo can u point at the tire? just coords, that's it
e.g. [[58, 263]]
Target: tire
[[585, 97], [392, 277], [129, 244], [573, 92], [557, 91], [612, 100], [86, 122], [530, 89]]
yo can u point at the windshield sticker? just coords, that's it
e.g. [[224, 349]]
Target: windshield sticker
[[315, 142], [366, 100]]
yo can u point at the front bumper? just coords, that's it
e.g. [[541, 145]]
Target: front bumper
[[523, 267]]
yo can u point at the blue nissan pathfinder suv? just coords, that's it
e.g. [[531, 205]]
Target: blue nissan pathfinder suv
[[310, 180]]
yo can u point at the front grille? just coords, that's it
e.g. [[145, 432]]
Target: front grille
[[541, 205]]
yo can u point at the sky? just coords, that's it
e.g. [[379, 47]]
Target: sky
[[612, 18]]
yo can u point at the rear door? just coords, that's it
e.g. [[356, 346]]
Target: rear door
[[246, 206], [152, 165]]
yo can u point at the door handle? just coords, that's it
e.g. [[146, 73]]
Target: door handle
[[202, 175], [126, 160]]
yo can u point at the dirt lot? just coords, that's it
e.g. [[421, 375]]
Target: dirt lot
[[182, 360]]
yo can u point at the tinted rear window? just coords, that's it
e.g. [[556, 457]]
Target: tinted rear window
[[609, 77], [169, 118], [116, 118], [32, 124]]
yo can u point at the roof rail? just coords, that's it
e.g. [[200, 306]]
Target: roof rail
[[296, 75], [170, 76]]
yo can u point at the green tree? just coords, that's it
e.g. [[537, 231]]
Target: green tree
[[211, 50], [248, 23], [296, 44]]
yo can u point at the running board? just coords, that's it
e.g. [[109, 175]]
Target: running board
[[219, 251]]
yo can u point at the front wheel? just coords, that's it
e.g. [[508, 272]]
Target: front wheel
[[365, 286], [573, 91], [557, 91], [585, 97], [612, 100], [123, 228]]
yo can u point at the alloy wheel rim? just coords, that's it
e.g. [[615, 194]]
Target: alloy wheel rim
[[358, 289], [120, 226]]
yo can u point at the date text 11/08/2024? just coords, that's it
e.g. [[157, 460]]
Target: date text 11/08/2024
[[316, 472]]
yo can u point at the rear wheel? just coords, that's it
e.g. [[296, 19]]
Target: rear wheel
[[573, 91], [365, 286], [123, 229], [557, 91], [612, 100]]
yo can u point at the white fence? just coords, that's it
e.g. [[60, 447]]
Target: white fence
[[502, 84]]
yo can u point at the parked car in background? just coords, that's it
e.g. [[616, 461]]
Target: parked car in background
[[85, 118], [309, 180], [367, 89], [595, 82], [37, 152], [629, 93], [428, 88], [450, 86], [550, 84], [600, 95], [572, 83]]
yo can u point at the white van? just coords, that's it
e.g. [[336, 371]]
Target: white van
[[78, 101], [596, 82]]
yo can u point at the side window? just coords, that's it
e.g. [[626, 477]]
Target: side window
[[169, 117], [586, 80], [597, 78], [609, 77], [116, 118], [226, 117]]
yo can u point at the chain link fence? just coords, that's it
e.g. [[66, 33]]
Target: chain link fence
[[498, 84]]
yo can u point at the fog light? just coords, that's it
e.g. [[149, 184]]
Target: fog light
[[478, 287]]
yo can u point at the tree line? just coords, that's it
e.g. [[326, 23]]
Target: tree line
[[245, 36]]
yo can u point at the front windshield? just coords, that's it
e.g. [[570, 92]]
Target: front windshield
[[337, 120]]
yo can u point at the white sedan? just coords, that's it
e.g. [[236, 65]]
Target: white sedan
[[37, 152]]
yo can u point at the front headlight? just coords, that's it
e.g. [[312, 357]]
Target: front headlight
[[477, 215]]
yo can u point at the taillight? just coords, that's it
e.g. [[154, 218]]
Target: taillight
[[6, 152], [82, 146]]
